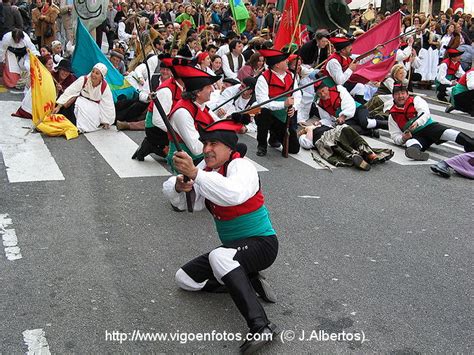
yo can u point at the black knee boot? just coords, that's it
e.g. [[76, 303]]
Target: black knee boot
[[245, 298], [466, 141], [383, 124], [143, 150]]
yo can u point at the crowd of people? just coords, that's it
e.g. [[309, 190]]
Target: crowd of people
[[192, 64]]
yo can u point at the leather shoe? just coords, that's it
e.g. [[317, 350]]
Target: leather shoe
[[360, 163], [267, 334], [415, 153], [449, 109], [374, 133], [122, 126], [274, 144], [261, 152], [442, 169], [263, 288]]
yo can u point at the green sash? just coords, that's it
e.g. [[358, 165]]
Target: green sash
[[149, 120], [281, 115], [172, 149], [253, 224]]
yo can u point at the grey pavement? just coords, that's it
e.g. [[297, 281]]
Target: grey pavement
[[387, 253]]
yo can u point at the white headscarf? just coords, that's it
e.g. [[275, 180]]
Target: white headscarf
[[102, 68]]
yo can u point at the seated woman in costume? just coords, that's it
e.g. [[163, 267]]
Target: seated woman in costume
[[342, 146], [88, 102]]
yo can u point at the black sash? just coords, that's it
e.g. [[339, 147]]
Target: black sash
[[18, 52]]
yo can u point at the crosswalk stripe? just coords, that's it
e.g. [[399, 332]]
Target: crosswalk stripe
[[257, 165], [26, 156], [453, 123], [117, 149], [399, 156]]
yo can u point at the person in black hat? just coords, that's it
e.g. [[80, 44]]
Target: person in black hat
[[229, 187], [63, 76], [273, 82], [336, 107], [339, 68], [191, 109], [168, 94], [411, 125], [448, 72]]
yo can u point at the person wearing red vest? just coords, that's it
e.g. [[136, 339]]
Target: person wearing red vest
[[448, 71], [410, 125], [229, 187], [336, 107], [339, 68], [191, 110], [168, 94], [273, 82], [462, 95]]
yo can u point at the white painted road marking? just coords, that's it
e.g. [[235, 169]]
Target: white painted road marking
[[36, 341], [9, 238], [117, 150], [26, 157]]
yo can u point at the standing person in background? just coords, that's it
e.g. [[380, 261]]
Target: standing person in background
[[44, 21], [65, 21]]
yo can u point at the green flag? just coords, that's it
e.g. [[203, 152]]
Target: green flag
[[239, 13], [328, 14]]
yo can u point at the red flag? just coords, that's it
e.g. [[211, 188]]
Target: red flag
[[377, 66], [458, 4], [287, 25]]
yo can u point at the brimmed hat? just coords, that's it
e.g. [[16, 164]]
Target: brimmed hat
[[340, 43], [454, 53], [231, 81], [319, 85], [250, 82], [398, 88], [65, 65], [272, 56], [193, 78], [116, 54], [264, 32], [224, 131], [165, 60]]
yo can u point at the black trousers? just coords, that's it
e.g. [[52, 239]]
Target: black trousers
[[359, 121], [430, 135], [465, 101], [441, 92], [130, 110], [157, 137], [267, 123], [252, 254]]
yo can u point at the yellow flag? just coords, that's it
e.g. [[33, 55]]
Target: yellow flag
[[43, 94]]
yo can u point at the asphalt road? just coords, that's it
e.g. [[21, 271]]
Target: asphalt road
[[385, 253]]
